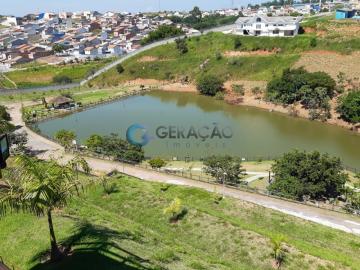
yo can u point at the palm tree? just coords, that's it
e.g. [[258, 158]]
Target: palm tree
[[79, 163], [278, 250], [38, 187]]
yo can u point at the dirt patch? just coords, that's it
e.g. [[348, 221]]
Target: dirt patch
[[252, 53], [51, 60], [331, 63], [147, 58], [179, 87]]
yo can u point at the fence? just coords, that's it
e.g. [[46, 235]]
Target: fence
[[204, 178], [51, 114]]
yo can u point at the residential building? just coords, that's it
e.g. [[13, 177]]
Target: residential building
[[261, 25]]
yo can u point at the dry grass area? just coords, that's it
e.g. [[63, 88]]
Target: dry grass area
[[251, 53], [331, 63], [343, 29], [148, 58]]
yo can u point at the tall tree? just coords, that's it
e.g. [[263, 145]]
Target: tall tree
[[65, 137], [196, 13], [38, 187], [299, 174], [225, 169]]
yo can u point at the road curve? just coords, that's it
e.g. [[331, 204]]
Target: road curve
[[47, 149]]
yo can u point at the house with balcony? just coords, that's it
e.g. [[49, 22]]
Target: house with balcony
[[262, 25]]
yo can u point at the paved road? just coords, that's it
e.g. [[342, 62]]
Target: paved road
[[48, 148], [111, 65]]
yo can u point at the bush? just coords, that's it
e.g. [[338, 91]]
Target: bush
[[237, 43], [181, 45], [209, 85], [175, 210], [313, 42], [289, 88], [164, 31], [238, 89], [119, 68], [349, 107], [115, 147], [62, 79], [218, 56], [4, 115], [299, 174], [157, 163], [65, 137]]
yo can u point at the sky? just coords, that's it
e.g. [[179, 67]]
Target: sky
[[22, 7]]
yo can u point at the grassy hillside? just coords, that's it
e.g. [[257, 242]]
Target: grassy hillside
[[165, 62], [257, 58], [42, 75], [128, 230], [335, 35]]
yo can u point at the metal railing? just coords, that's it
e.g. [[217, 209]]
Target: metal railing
[[204, 178]]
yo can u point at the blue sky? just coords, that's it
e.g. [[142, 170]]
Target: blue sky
[[21, 7]]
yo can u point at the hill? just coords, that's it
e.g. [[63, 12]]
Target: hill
[[128, 230]]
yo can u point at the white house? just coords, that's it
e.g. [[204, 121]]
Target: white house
[[115, 49], [91, 51], [261, 25], [10, 21]]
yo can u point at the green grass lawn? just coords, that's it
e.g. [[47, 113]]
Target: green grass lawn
[[128, 230], [42, 75]]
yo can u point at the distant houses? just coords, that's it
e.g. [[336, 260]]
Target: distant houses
[[262, 25]]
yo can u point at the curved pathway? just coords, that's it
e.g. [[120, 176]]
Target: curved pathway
[[47, 149]]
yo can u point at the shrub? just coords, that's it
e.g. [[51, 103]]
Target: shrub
[[238, 89], [108, 186], [313, 42], [237, 43], [119, 68], [218, 56], [164, 31], [157, 163], [256, 91], [235, 62], [289, 87], [4, 115], [209, 85], [175, 210], [65, 137], [62, 79], [181, 45], [349, 107]]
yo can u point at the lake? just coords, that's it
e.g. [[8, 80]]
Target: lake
[[189, 125]]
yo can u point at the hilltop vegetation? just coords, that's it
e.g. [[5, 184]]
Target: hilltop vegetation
[[230, 56], [128, 229], [44, 75], [164, 31], [208, 54]]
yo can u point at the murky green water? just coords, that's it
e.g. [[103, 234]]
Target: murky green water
[[255, 132]]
